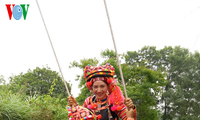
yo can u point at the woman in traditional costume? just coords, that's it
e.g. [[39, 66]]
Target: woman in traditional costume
[[107, 101]]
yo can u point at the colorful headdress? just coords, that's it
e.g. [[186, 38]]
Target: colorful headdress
[[104, 72]]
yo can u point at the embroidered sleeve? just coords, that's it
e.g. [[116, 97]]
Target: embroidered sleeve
[[86, 102], [122, 113]]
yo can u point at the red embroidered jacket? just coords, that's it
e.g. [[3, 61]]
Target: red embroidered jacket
[[115, 114]]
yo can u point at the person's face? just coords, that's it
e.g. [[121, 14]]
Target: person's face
[[100, 89]]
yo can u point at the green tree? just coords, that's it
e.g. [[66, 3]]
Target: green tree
[[3, 85], [184, 77], [144, 87], [181, 93], [153, 59], [38, 81], [2, 80]]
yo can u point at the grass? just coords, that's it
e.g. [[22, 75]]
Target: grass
[[21, 107]]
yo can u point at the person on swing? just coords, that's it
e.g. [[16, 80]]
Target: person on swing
[[107, 101]]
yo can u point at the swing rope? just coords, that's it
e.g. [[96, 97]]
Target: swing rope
[[53, 50], [120, 69], [121, 74]]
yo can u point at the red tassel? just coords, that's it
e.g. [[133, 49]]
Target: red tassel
[[109, 80], [90, 83], [113, 108], [70, 114], [94, 106], [99, 116], [119, 108]]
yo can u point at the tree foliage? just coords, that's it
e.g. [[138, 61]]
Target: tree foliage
[[2, 80], [182, 67], [38, 81], [21, 107]]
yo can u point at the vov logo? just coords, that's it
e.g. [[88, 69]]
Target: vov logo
[[17, 11]]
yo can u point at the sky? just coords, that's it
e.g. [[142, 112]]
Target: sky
[[79, 29]]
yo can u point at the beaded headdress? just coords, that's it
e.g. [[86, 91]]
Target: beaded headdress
[[104, 72]]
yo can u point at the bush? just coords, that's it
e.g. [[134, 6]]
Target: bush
[[22, 107], [48, 108], [12, 107]]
